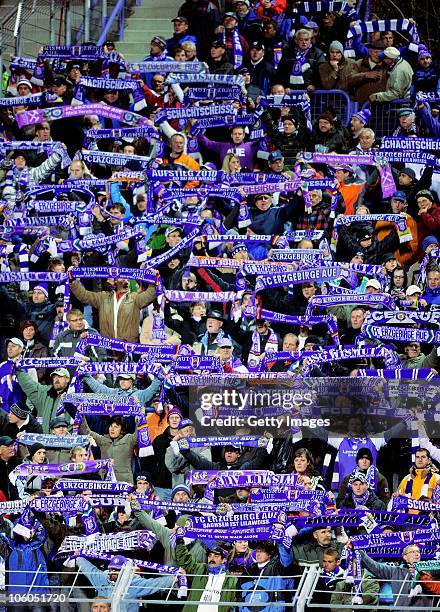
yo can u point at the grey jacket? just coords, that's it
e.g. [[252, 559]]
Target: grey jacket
[[401, 579], [67, 341], [179, 466]]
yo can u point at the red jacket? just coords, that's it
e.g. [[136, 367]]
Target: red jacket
[[430, 220]]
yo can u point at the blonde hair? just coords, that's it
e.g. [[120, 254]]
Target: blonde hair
[[227, 158]]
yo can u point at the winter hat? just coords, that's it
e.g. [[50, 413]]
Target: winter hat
[[174, 410], [313, 340], [34, 448], [364, 235], [428, 241], [144, 476], [24, 81], [363, 115], [159, 42], [289, 118], [20, 412], [327, 116], [180, 487], [358, 476], [337, 46], [425, 193], [424, 51], [409, 172], [117, 562], [43, 287], [364, 452], [238, 248], [185, 423], [388, 257], [127, 376]]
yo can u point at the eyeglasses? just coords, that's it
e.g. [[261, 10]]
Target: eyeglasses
[[414, 346]]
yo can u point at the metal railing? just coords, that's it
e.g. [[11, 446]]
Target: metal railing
[[336, 99], [304, 596], [384, 119]]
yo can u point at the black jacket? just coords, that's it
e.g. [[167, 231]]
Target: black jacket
[[6, 486], [310, 76], [372, 503], [11, 429], [156, 464]]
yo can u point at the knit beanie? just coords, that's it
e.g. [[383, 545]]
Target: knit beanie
[[337, 46], [327, 116], [363, 115]]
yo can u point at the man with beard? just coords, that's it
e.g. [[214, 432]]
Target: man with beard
[[211, 583], [45, 398]]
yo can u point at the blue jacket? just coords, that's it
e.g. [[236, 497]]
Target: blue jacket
[[44, 316], [24, 561], [432, 296], [430, 122], [139, 587], [264, 585], [144, 396], [272, 221], [10, 390]]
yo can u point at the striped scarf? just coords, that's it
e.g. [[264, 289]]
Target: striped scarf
[[394, 25], [236, 47], [299, 66]]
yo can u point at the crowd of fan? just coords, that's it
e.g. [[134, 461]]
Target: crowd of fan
[[277, 51]]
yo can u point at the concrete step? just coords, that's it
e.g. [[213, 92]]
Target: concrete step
[[150, 19]]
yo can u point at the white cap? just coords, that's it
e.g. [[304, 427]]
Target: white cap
[[412, 290], [373, 283], [391, 52], [17, 342]]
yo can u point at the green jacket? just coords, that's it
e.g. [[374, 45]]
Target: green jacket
[[398, 83], [43, 397], [163, 533], [414, 362], [342, 595], [199, 573], [311, 553]]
